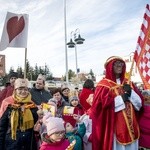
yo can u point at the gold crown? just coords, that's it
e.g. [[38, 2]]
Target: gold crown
[[73, 93]]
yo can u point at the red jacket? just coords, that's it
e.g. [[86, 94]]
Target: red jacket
[[8, 91], [83, 96]]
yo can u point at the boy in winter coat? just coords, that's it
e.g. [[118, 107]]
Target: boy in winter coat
[[77, 134]]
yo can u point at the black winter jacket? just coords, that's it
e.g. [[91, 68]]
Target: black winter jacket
[[24, 140], [40, 96]]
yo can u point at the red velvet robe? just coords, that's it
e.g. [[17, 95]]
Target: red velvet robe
[[102, 114], [102, 111]]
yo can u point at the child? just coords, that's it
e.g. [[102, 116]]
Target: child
[[74, 109], [54, 138], [38, 127], [74, 101], [144, 123], [73, 133], [60, 102]]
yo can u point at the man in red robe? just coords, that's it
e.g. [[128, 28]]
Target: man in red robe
[[113, 113]]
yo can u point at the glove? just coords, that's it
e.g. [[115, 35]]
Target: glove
[[127, 92], [127, 89], [125, 97]]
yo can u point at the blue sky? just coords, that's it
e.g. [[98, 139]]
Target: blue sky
[[109, 27]]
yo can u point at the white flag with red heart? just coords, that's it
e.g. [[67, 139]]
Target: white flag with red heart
[[15, 31]]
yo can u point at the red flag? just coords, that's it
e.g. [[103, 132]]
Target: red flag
[[15, 31], [142, 52]]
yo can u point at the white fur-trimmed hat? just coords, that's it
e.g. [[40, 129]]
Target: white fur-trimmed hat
[[21, 83]]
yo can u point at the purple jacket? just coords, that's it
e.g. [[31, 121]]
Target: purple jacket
[[144, 124]]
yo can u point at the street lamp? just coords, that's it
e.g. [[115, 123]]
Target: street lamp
[[72, 44], [66, 54]]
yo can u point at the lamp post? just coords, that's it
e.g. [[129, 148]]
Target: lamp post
[[66, 54], [73, 44]]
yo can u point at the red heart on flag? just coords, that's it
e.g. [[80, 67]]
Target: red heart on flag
[[14, 27]]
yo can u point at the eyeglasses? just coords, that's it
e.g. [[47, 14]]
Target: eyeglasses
[[118, 63], [61, 133], [22, 89], [13, 78]]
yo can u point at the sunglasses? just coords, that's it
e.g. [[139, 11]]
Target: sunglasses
[[118, 63]]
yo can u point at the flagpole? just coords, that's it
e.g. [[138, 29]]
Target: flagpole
[[131, 69], [25, 63]]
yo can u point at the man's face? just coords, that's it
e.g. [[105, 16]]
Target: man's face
[[39, 84], [118, 67]]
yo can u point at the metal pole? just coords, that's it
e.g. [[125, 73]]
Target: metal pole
[[76, 60], [25, 64], [65, 30]]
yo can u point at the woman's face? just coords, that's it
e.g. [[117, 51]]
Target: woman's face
[[66, 92], [22, 92]]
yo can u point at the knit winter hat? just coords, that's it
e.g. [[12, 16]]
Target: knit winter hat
[[71, 121], [64, 87], [13, 74], [73, 95], [67, 116], [21, 83], [73, 98], [54, 124], [46, 117]]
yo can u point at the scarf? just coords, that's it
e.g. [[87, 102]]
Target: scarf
[[21, 115]]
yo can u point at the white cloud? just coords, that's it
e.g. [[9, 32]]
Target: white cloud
[[109, 27]]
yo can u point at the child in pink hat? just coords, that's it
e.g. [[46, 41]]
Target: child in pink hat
[[54, 138]]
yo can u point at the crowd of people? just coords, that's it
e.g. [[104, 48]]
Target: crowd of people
[[113, 115]]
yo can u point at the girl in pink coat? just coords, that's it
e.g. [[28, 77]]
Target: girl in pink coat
[[54, 138]]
